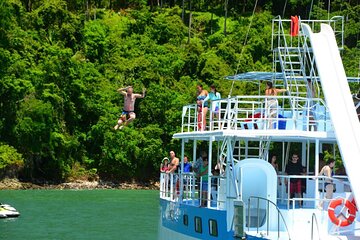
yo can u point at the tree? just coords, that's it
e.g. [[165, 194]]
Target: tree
[[11, 161]]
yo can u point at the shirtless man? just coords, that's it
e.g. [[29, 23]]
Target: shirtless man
[[128, 113], [174, 163]]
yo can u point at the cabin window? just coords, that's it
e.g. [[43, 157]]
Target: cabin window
[[198, 226], [213, 229], [186, 220]]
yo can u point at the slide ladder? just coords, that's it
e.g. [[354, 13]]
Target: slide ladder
[[339, 101]]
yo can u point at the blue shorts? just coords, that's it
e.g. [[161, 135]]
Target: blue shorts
[[126, 114]]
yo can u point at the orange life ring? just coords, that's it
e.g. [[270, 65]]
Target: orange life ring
[[351, 212]]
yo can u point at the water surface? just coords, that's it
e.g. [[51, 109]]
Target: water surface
[[81, 214]]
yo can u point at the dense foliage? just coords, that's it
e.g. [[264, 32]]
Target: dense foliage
[[62, 61]]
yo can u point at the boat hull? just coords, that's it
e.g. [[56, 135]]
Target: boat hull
[[184, 221]]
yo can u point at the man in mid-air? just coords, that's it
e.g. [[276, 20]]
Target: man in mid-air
[[128, 113]]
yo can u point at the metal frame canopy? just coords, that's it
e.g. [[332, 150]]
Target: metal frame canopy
[[260, 76], [270, 76]]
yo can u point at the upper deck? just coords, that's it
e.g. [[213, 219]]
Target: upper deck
[[252, 117], [296, 116]]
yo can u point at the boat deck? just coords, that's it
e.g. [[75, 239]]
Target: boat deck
[[253, 117]]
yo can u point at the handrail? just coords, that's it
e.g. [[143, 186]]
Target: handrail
[[236, 111], [284, 178], [278, 212], [313, 217]]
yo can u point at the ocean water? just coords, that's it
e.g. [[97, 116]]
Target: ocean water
[[81, 214]]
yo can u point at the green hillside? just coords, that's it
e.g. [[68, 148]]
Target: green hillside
[[61, 63]]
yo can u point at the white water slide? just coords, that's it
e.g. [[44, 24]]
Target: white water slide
[[339, 101]]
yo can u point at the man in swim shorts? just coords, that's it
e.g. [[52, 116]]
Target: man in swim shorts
[[128, 113]]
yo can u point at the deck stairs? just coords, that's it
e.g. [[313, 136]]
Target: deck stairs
[[295, 59], [241, 149]]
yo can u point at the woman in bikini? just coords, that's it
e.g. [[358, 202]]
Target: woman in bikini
[[202, 107]]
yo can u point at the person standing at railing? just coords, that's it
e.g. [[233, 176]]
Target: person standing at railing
[[214, 106], [164, 166], [203, 174], [202, 107], [198, 163], [328, 172], [271, 104], [294, 167], [271, 90], [187, 169], [174, 163], [187, 165], [214, 184], [173, 168], [274, 163]]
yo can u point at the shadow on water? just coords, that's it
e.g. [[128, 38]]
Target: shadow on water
[[82, 214]]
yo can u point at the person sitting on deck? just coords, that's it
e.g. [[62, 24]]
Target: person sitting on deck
[[294, 167], [128, 114]]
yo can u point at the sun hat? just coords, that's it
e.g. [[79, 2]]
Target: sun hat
[[165, 158]]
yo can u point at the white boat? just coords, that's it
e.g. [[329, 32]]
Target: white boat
[[7, 211], [249, 200]]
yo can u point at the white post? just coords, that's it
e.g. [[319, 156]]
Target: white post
[[209, 171], [182, 170], [317, 145], [303, 153], [193, 189]]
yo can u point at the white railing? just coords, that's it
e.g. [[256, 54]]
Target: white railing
[[281, 31], [343, 186], [260, 113], [188, 189]]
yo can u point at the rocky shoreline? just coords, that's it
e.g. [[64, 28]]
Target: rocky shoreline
[[15, 184]]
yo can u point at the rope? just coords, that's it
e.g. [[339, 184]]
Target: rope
[[284, 9], [245, 41], [311, 6]]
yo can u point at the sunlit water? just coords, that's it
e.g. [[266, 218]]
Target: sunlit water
[[81, 214]]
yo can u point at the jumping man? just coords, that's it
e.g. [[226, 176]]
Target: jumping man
[[128, 113]]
